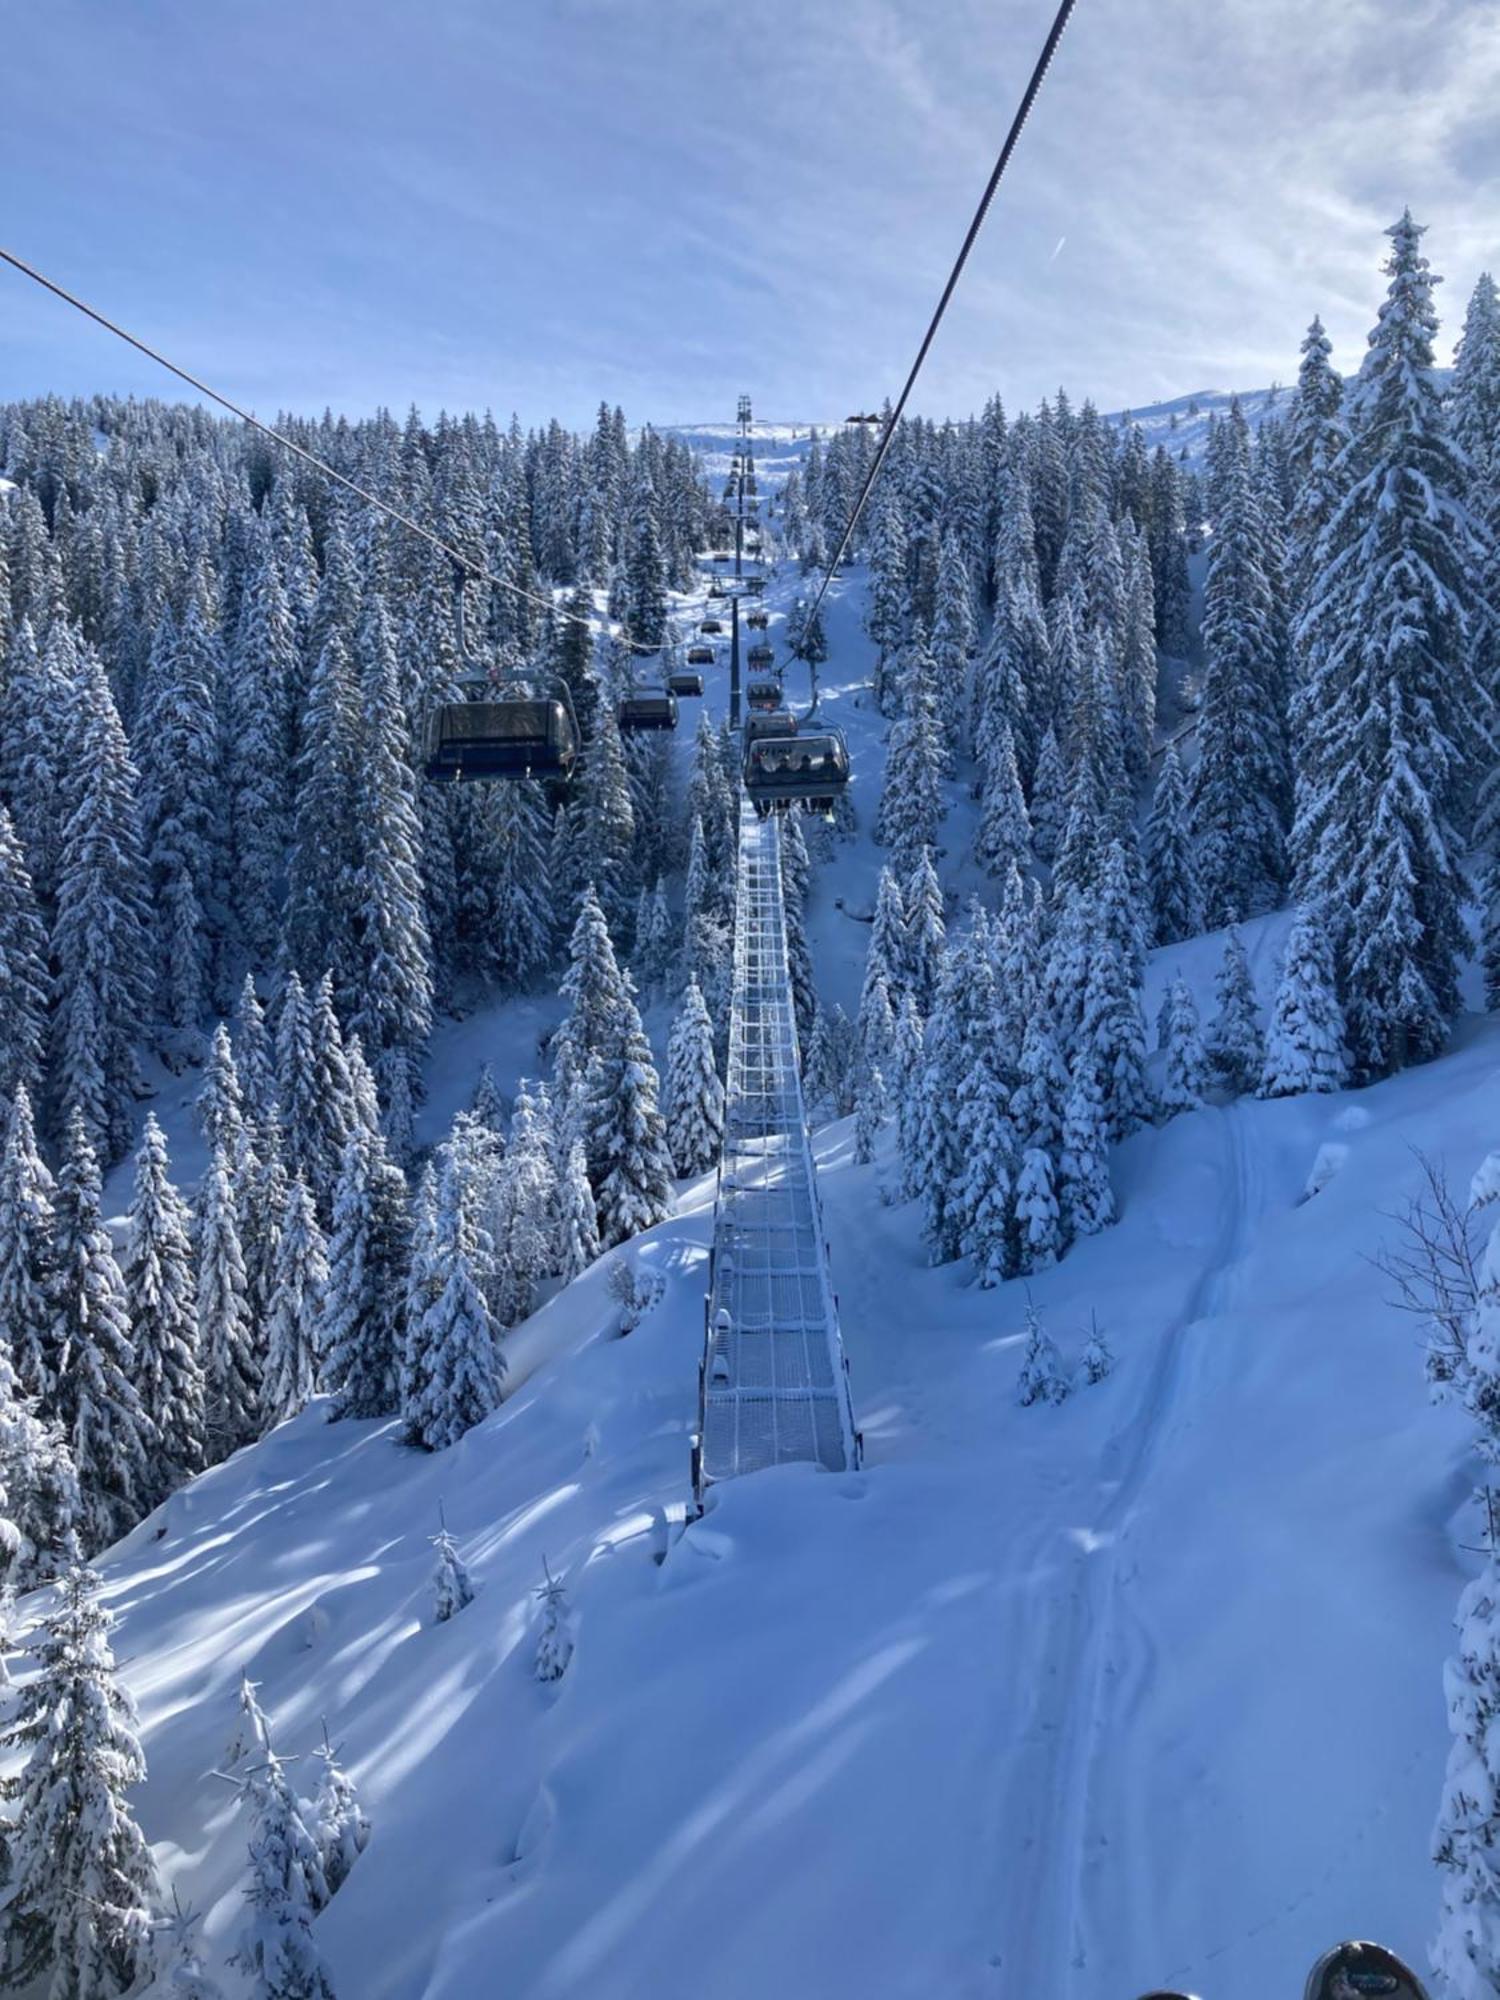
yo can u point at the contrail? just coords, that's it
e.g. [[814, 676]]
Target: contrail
[[1058, 251]]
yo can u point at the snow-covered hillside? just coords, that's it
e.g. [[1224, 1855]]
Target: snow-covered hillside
[[1057, 1702]]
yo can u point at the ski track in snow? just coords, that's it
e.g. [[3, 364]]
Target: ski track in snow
[[1077, 1657]]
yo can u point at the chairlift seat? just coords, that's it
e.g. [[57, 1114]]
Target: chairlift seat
[[809, 770], [772, 722], [700, 656], [711, 627], [761, 655], [522, 737], [684, 683], [764, 694], [653, 709]]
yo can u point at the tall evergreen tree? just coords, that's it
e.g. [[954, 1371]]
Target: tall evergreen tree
[[109, 1432], [1391, 722], [228, 1349], [161, 1293], [1305, 1042], [23, 971], [694, 1095], [1235, 1047], [30, 1306], [294, 1320], [1171, 860], [361, 1336], [81, 1881]]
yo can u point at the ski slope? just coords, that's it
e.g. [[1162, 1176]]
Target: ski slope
[[1047, 1702]]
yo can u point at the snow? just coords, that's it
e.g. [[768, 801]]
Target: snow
[[1064, 1702]]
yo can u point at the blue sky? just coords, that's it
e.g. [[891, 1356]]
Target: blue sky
[[530, 204]]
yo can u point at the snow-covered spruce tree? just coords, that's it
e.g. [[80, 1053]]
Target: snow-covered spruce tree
[[80, 1879], [1241, 787], [1391, 723], [161, 1296], [869, 1114], [1084, 1193], [1466, 1951], [1187, 1061], [318, 1111], [221, 1101], [1041, 1090], [1305, 1040], [912, 806], [95, 1397], [320, 865], [1003, 836], [1048, 799], [1038, 1217], [452, 1589], [23, 971], [29, 1305], [522, 1214], [1097, 1361], [554, 1646], [180, 1957], [1316, 435], [1171, 862], [577, 1217], [1113, 1032], [340, 1825], [979, 1201], [390, 973], [99, 937], [40, 1504], [228, 1349], [925, 931], [361, 1332], [885, 956], [1042, 1378], [875, 1029], [694, 1094], [176, 736], [261, 692], [254, 1055], [608, 830], [1236, 1050], [295, 1315], [287, 1888], [595, 989], [454, 1366], [908, 1063]]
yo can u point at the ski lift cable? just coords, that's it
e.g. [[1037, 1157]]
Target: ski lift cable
[[461, 563], [1023, 112]]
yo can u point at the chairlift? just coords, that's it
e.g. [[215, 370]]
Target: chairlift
[[754, 585], [757, 619], [711, 627], [684, 683], [764, 694], [495, 734], [760, 655], [648, 708], [700, 656], [810, 771], [716, 589]]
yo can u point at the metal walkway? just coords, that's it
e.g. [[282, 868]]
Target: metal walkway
[[773, 1383]]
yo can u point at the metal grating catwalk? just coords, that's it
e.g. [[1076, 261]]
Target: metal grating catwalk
[[773, 1384]]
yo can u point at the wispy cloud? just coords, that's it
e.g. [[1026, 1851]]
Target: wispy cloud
[[532, 206]]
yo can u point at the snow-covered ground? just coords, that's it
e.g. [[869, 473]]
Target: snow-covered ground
[[1055, 1703]]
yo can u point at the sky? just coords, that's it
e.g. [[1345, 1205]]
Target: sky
[[530, 205]]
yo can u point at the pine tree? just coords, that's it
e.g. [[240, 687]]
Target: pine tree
[[1084, 1193], [909, 1065], [694, 1094], [1305, 1041], [452, 1589], [869, 1115], [1003, 836], [340, 1825], [295, 1315], [180, 1955], [1113, 1032], [1316, 435], [1187, 1060], [29, 1302], [1241, 788], [221, 1102], [99, 938], [1391, 723], [40, 1504], [1236, 1051], [455, 1367], [23, 971], [227, 1347], [886, 956], [924, 932], [161, 1293], [1042, 1379], [1038, 1217], [1171, 861], [287, 1888], [1466, 1953], [109, 1433], [1098, 1361], [321, 863], [554, 1646], [578, 1219], [361, 1330], [261, 689], [1048, 800], [625, 1134], [81, 1881]]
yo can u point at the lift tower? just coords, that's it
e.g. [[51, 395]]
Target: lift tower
[[741, 478]]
